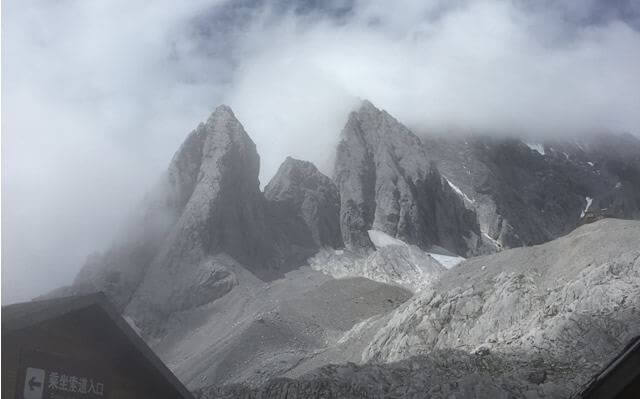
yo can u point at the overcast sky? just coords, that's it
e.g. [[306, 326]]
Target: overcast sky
[[97, 95]]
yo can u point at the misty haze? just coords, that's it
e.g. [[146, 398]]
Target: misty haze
[[319, 199]]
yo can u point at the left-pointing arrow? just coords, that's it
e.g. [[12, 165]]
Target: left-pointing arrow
[[33, 383]]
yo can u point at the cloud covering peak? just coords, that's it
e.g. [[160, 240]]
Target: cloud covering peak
[[98, 95]]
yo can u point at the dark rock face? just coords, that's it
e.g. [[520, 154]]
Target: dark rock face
[[300, 192], [208, 202], [529, 194], [609, 166], [225, 208], [387, 183], [536, 202]]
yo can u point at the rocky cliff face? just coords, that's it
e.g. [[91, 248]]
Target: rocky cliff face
[[209, 203], [387, 183], [526, 194], [184, 205], [300, 192], [536, 300], [224, 212]]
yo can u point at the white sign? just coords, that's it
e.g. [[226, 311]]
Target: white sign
[[33, 383], [71, 383]]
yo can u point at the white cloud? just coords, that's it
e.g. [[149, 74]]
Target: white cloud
[[439, 66], [98, 95], [96, 98]]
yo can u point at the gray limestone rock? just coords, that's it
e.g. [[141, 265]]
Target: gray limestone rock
[[573, 300], [224, 212], [388, 183], [530, 193], [300, 193], [533, 322], [207, 203], [403, 265], [443, 374]]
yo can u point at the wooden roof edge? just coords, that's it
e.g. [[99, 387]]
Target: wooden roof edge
[[28, 314], [594, 382]]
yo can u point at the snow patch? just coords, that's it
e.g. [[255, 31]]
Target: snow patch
[[536, 147], [381, 240], [447, 261], [133, 325], [492, 240], [586, 208], [403, 265], [459, 192]]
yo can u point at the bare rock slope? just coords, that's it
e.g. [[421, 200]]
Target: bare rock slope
[[526, 322], [209, 203], [540, 299], [392, 262], [261, 330], [387, 183]]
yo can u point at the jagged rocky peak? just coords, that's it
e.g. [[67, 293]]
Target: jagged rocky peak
[[302, 191], [387, 183], [213, 179], [225, 208], [206, 212], [224, 214], [221, 133]]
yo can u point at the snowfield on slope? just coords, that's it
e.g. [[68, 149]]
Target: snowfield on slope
[[392, 262]]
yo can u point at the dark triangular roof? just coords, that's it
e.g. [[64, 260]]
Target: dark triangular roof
[[27, 314]]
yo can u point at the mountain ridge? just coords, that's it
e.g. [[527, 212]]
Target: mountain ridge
[[234, 285]]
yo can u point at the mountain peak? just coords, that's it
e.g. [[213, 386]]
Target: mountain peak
[[222, 110], [298, 164], [367, 106], [385, 178], [223, 120], [299, 189]]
